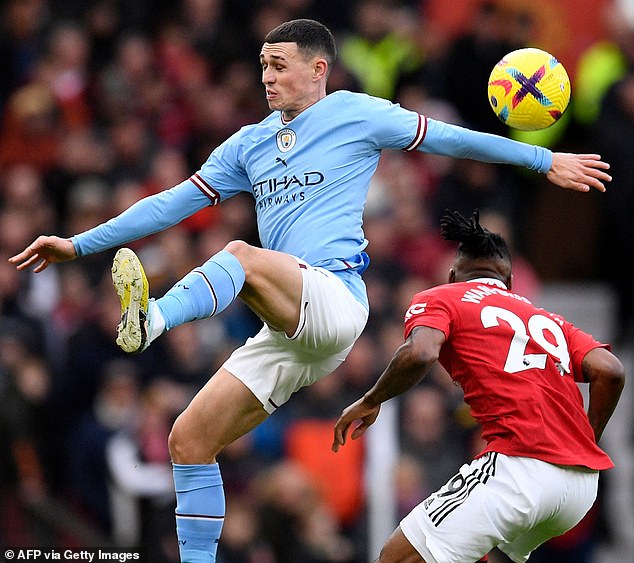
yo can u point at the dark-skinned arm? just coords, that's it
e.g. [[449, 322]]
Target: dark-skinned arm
[[606, 376], [409, 365]]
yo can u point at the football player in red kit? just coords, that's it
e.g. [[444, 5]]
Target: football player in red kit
[[518, 366]]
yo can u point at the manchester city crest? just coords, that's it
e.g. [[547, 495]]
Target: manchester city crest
[[286, 139]]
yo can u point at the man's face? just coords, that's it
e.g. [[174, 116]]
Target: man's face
[[289, 79]]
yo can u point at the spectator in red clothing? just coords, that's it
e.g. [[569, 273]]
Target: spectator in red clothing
[[30, 131]]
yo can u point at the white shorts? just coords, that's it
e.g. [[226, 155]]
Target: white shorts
[[513, 503], [273, 365]]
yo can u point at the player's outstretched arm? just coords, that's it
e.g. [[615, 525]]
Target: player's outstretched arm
[[606, 375], [410, 363], [579, 172], [145, 217], [44, 250]]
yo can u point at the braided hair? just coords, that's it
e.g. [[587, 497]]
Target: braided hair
[[475, 241]]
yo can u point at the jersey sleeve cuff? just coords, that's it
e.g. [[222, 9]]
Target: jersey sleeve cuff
[[75, 242], [544, 160]]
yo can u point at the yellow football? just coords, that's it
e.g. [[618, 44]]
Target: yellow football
[[529, 89]]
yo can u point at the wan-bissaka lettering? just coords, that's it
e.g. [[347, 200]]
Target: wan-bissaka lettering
[[478, 293]]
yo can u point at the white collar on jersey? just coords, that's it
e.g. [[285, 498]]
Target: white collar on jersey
[[490, 281]]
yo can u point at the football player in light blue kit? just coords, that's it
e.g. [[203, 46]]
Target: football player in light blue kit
[[308, 167]]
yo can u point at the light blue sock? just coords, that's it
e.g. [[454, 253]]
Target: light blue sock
[[204, 292], [200, 511]]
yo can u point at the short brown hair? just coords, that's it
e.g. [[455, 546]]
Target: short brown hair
[[311, 37]]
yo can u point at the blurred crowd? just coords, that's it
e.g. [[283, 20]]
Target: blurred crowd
[[103, 102]]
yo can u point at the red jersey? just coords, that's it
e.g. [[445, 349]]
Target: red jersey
[[518, 366]]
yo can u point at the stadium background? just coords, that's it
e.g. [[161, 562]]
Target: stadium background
[[104, 101]]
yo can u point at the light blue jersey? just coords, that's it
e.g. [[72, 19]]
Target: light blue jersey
[[310, 178]]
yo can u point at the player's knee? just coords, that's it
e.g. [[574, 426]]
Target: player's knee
[[175, 443], [185, 448], [244, 252], [240, 249]]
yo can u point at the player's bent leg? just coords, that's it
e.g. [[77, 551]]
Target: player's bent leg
[[269, 282], [222, 411], [397, 549], [273, 285], [203, 292]]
